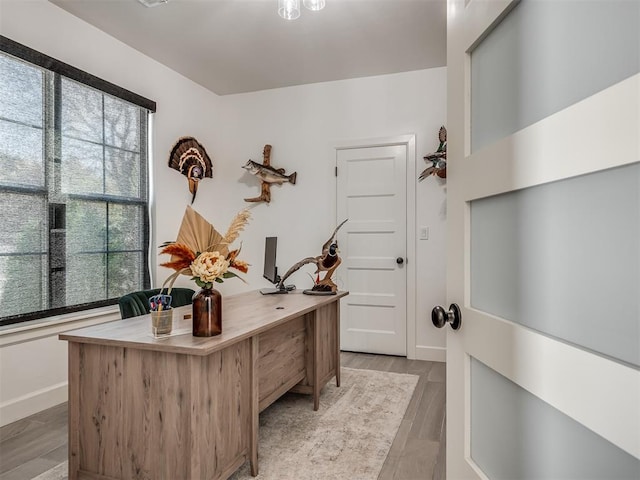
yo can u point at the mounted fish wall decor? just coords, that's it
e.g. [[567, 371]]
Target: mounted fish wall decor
[[438, 159], [268, 175], [190, 158]]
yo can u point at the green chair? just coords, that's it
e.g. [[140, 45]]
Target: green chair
[[137, 303]]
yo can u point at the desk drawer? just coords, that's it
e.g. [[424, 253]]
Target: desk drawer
[[281, 360]]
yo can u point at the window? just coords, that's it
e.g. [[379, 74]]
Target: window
[[73, 188]]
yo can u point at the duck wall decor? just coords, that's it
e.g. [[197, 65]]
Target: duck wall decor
[[190, 158], [438, 159], [268, 175]]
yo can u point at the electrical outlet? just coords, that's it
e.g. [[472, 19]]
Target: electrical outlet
[[424, 233]]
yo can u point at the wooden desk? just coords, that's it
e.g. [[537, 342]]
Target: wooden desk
[[186, 407]]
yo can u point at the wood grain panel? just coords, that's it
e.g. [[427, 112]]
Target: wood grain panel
[[255, 409], [74, 409], [171, 407], [185, 417], [306, 384], [338, 356], [170, 402], [138, 424], [100, 402], [281, 359], [326, 322], [315, 333], [82, 475], [222, 412], [323, 361]]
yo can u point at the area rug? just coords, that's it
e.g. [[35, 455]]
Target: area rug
[[347, 438]]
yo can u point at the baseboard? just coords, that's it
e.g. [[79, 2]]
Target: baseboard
[[33, 403], [431, 354]]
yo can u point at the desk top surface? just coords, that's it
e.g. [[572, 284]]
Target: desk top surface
[[243, 316]]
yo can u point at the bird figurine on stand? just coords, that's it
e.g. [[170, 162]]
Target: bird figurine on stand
[[327, 262], [190, 158], [438, 159]]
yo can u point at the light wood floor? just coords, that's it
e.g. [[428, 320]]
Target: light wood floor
[[35, 444]]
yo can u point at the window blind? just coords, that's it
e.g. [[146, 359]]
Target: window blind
[[73, 188]]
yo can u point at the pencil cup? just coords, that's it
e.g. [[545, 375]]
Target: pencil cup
[[161, 322]]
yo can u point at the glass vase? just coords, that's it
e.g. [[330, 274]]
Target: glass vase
[[207, 313]]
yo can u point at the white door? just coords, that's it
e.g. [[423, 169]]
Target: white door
[[543, 377], [371, 193]]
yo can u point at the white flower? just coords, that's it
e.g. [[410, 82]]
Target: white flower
[[209, 266]]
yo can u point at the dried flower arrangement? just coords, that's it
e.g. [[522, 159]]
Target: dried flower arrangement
[[202, 253]]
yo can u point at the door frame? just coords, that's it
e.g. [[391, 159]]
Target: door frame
[[409, 142]]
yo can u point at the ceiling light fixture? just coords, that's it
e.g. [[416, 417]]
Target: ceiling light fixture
[[153, 3], [290, 9], [314, 5]]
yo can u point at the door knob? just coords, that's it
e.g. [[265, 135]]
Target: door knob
[[399, 260], [453, 317]]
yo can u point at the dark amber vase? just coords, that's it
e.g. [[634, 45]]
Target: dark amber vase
[[207, 313]]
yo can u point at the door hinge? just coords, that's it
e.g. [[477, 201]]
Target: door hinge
[[336, 171]]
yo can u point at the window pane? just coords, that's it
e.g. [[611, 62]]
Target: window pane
[[122, 173], [551, 256], [125, 273], [81, 112], [516, 435], [125, 227], [58, 287], [61, 227], [21, 154], [20, 91], [86, 278], [21, 284], [121, 124], [545, 56], [22, 233], [82, 167], [86, 227]]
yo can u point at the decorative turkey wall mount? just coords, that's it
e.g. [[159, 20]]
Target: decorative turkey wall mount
[[189, 157], [268, 175], [438, 158]]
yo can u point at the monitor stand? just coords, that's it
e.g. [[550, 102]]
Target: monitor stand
[[273, 291], [283, 289]]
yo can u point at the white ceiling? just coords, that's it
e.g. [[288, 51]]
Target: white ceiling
[[235, 46]]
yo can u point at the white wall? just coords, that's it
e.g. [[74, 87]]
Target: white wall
[[301, 123]]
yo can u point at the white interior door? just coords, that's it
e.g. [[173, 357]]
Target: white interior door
[[543, 377], [371, 193]]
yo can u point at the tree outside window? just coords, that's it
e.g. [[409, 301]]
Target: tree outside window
[[73, 194]]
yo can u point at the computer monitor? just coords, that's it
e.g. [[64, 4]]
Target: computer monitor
[[270, 267]]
